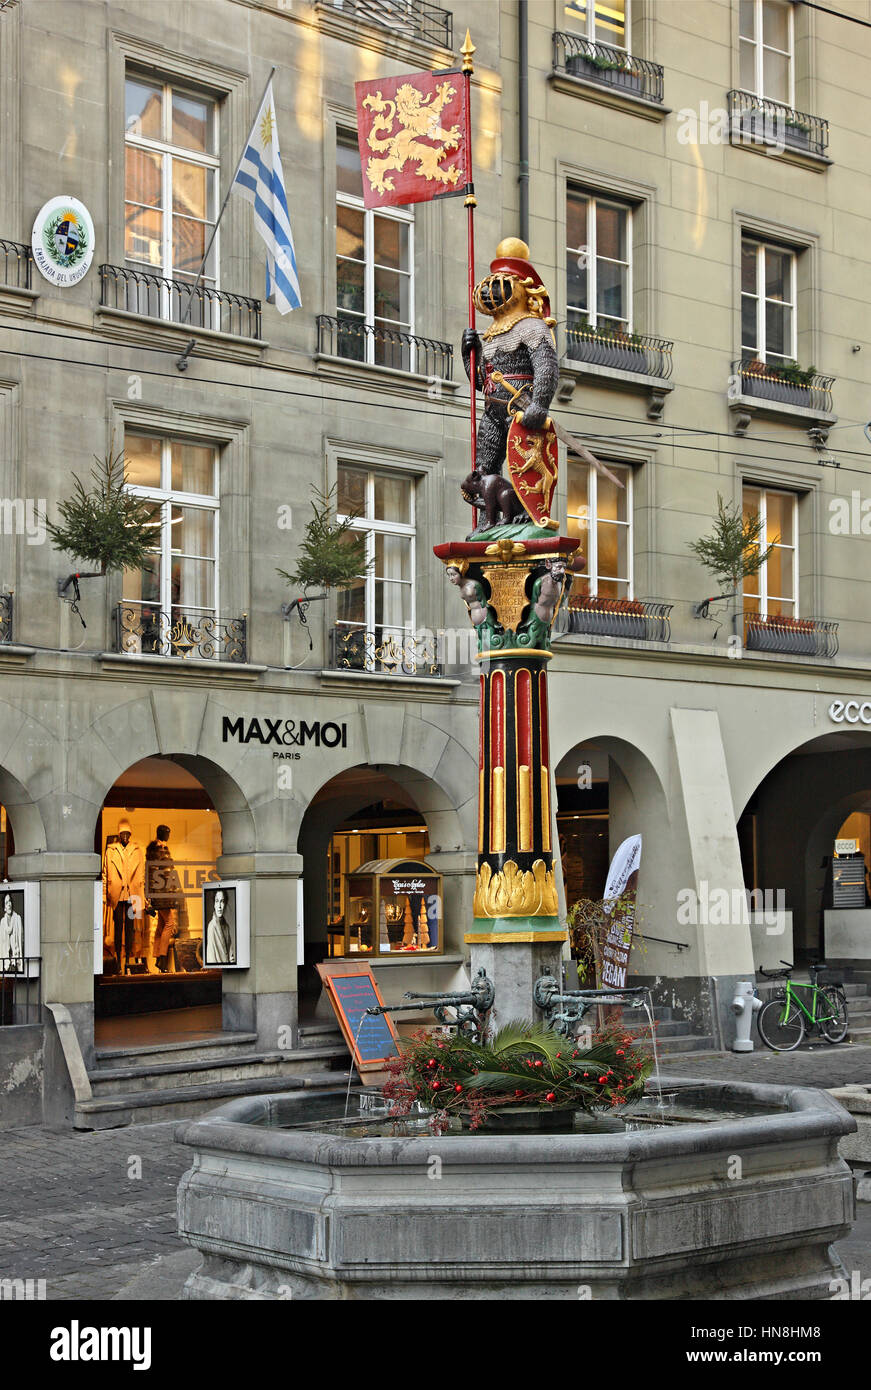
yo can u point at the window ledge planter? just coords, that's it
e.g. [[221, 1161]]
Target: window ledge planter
[[619, 617], [788, 392], [792, 636]]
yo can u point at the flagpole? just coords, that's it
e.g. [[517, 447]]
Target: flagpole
[[467, 50], [209, 244]]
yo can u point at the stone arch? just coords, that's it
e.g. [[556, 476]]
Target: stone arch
[[799, 804], [25, 816]]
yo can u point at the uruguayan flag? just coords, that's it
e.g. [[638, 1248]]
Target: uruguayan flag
[[259, 178]]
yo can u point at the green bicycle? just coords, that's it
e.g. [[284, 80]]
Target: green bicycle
[[781, 1022]]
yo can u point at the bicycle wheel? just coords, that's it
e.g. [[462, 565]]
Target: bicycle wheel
[[833, 1002], [780, 1024]]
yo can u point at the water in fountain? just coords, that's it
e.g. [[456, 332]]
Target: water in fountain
[[351, 1068]]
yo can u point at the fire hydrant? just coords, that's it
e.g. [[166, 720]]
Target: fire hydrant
[[744, 1006]]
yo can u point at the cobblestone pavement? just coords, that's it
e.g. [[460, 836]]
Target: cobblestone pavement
[[91, 1213], [820, 1064], [94, 1214]]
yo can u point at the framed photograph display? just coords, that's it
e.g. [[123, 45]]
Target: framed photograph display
[[19, 930], [227, 925]]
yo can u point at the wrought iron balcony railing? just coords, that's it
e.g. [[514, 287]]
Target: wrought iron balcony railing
[[629, 352], [413, 19], [385, 346], [757, 121], [612, 67], [784, 385], [794, 636], [139, 292], [619, 617], [145, 629], [386, 651], [15, 263], [6, 617]]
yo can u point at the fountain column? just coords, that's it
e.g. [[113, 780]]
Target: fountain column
[[513, 589]]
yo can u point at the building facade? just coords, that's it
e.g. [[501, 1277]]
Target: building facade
[[700, 234]]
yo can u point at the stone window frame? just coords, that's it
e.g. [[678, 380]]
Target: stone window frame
[[230, 88], [642, 460], [232, 440], [10, 135], [641, 197], [804, 67], [778, 475], [429, 306], [429, 474], [805, 245]]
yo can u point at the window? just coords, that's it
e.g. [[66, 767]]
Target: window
[[772, 592], [598, 263], [600, 514], [178, 587], [765, 49], [382, 601], [603, 21], [374, 279], [171, 177], [768, 301]]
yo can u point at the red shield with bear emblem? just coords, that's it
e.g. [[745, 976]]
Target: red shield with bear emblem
[[532, 457]]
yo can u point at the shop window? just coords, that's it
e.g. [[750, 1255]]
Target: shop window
[[768, 303], [374, 271], [374, 913], [381, 601], [598, 265], [171, 182], [773, 591], [7, 847], [159, 838], [600, 515], [176, 591], [601, 21], [766, 46]]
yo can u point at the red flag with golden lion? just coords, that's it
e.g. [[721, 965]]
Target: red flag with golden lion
[[413, 138]]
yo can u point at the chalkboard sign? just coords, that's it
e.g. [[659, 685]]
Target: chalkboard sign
[[371, 1039]]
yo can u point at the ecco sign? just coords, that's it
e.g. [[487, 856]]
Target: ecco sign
[[850, 711], [284, 731]]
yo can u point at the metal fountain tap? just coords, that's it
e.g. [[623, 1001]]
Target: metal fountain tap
[[564, 1009], [470, 1006]]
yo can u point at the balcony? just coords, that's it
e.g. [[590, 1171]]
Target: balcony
[[791, 636], [790, 392], [755, 121], [624, 352], [613, 69], [408, 19], [144, 629], [15, 263], [386, 652], [383, 346], [5, 617], [645, 621], [179, 302], [633, 360]]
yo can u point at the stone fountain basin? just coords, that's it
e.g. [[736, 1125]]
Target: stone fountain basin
[[739, 1209]]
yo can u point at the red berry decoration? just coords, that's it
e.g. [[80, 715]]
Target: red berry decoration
[[436, 1085], [458, 1087], [518, 1093], [537, 1064], [620, 1052], [602, 1080], [550, 1096]]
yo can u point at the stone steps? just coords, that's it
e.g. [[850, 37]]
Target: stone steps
[[197, 1050], [158, 1076], [183, 1102]]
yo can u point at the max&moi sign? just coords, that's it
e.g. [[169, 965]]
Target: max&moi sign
[[285, 732]]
